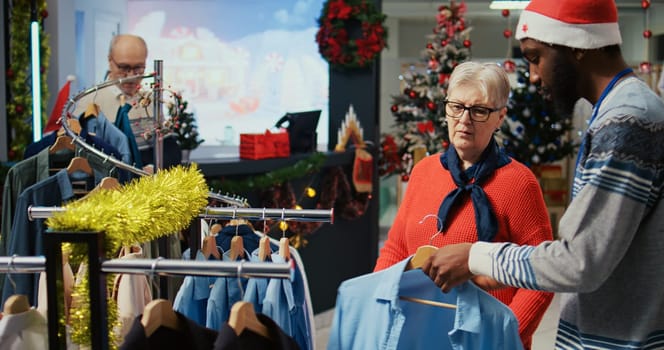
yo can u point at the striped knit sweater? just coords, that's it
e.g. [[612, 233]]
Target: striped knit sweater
[[516, 198], [610, 258]]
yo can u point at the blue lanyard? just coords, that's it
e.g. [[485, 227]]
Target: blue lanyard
[[606, 91]]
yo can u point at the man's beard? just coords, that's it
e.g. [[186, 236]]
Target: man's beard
[[563, 89]]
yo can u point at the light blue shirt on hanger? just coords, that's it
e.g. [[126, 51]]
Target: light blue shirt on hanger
[[369, 315]]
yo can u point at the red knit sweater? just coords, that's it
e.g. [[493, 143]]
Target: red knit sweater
[[517, 201]]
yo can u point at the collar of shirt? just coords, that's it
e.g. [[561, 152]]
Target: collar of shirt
[[467, 316]]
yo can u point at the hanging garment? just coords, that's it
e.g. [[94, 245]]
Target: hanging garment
[[67, 285], [224, 293], [369, 315], [286, 307], [122, 123], [131, 292], [20, 176], [24, 331], [302, 296], [190, 336], [192, 298], [104, 129], [26, 235], [277, 340], [256, 287]]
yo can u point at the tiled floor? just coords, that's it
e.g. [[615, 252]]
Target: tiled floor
[[543, 338]]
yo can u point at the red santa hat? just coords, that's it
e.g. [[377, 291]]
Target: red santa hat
[[581, 24], [53, 122]]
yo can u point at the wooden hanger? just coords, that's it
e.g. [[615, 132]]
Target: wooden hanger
[[215, 229], [109, 183], [210, 247], [16, 304], [159, 313], [237, 248], [284, 248], [424, 252], [264, 250], [91, 111], [428, 302], [73, 124], [79, 164], [421, 255], [243, 316], [62, 142]]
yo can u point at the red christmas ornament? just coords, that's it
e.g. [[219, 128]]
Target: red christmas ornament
[[431, 106], [442, 78], [444, 42], [467, 43], [645, 4], [445, 144], [430, 46], [405, 178], [11, 153], [647, 33], [505, 13], [507, 33], [509, 66], [43, 13], [461, 27], [412, 94], [645, 67], [19, 109], [433, 64], [394, 108], [10, 73]]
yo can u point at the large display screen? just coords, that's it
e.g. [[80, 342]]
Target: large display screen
[[241, 65]]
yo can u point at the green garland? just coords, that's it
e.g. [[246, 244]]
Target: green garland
[[275, 177], [19, 103]]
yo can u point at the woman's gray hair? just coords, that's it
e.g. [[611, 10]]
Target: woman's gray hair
[[489, 78]]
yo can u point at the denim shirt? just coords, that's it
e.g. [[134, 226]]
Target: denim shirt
[[26, 236]]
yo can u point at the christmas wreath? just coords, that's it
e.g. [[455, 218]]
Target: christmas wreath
[[350, 33]]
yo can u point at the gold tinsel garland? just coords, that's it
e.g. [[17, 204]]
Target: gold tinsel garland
[[143, 210]]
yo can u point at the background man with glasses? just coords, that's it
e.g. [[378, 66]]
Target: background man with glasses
[[127, 57], [477, 192]]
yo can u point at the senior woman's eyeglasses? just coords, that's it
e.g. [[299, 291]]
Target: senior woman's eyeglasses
[[477, 113]]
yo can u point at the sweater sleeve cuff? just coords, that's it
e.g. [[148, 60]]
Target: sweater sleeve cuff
[[480, 260]]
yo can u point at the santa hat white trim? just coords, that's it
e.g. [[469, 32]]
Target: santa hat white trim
[[581, 36]]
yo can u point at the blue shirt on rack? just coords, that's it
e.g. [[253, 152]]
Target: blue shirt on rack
[[369, 315]]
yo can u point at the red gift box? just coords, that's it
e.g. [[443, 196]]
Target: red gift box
[[263, 146]]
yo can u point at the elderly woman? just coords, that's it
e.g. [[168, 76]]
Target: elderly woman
[[476, 191]]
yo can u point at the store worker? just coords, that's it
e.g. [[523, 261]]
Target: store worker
[[609, 260], [127, 104], [474, 191]]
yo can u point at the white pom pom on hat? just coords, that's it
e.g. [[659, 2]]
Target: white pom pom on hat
[[581, 24]]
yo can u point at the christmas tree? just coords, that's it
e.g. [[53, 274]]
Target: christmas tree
[[419, 116], [184, 125], [532, 133]]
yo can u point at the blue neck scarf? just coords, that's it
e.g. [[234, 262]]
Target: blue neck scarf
[[492, 158]]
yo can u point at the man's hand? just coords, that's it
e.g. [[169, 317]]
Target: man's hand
[[448, 267]]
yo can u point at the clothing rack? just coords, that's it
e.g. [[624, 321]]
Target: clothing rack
[[51, 263], [22, 264], [232, 201], [304, 215]]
